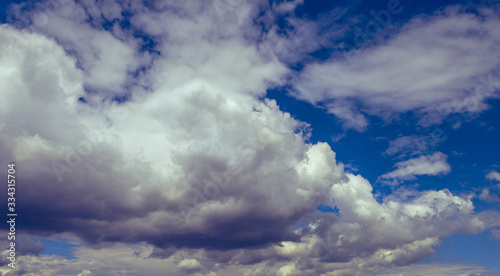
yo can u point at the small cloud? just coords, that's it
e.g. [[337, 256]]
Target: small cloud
[[496, 233], [493, 175], [488, 197], [434, 164], [85, 272], [407, 145], [190, 265], [338, 137], [351, 168]]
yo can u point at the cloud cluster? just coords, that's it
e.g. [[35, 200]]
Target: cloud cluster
[[490, 194], [435, 65], [493, 175], [107, 59], [119, 260], [152, 169], [193, 166]]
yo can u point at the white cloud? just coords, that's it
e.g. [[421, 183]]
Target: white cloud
[[434, 164], [85, 272], [108, 59], [190, 265], [116, 260], [397, 221], [487, 196], [493, 175], [409, 146], [430, 66], [344, 111]]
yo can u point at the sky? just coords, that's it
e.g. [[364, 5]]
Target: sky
[[233, 137]]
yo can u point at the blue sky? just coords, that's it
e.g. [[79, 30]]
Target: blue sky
[[473, 149], [269, 138], [477, 148]]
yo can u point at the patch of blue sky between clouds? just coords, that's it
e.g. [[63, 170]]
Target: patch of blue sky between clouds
[[59, 247]]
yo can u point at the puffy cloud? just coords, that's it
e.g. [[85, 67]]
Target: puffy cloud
[[107, 59], [490, 194], [85, 272], [159, 167], [434, 164], [487, 196], [493, 175], [190, 265], [405, 229], [433, 65]]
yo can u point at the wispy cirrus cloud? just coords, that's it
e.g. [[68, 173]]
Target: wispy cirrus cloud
[[414, 145], [434, 65], [493, 175], [434, 164]]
